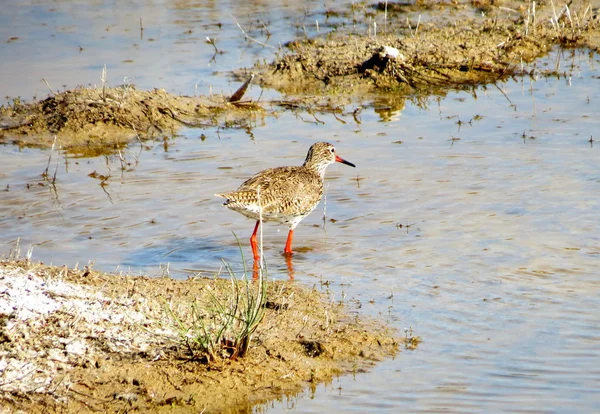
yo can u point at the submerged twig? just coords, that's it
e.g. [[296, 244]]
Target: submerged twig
[[248, 37]]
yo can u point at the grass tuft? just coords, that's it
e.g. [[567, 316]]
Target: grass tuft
[[220, 325]]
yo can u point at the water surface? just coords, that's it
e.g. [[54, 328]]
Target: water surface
[[481, 235]]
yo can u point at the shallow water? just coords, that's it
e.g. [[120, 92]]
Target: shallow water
[[482, 236]]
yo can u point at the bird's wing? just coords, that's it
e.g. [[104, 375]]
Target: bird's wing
[[281, 189]]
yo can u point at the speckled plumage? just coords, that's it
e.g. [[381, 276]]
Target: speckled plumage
[[287, 194]]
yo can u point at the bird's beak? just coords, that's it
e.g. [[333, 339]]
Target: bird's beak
[[343, 161]]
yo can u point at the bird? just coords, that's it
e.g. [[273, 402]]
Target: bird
[[287, 194]]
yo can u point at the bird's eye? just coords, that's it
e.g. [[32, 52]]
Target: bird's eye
[[332, 149]]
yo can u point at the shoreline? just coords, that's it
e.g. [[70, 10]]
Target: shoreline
[[81, 341]]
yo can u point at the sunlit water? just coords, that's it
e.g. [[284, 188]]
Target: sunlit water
[[482, 236]]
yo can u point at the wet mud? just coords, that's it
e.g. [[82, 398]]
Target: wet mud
[[92, 121], [454, 45], [86, 341], [423, 48]]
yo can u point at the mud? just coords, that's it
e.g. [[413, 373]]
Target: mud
[[422, 48], [92, 121], [448, 48], [82, 341]]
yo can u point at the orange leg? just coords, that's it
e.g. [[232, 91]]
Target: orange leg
[[288, 244], [253, 242]]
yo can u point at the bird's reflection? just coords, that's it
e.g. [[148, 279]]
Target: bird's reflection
[[288, 262], [290, 267]]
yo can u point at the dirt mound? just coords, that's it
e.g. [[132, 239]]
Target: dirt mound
[[76, 341], [88, 120], [445, 51]]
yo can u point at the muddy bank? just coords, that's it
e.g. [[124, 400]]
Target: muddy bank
[[92, 121], [388, 48], [88, 122], [82, 341], [427, 47]]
